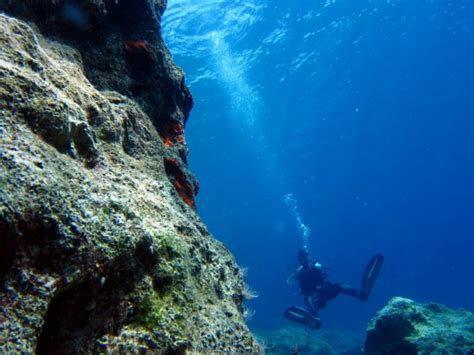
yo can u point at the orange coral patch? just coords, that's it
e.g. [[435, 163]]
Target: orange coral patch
[[180, 181], [168, 142], [172, 133]]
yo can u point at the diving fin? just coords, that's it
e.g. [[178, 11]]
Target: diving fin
[[302, 316], [371, 273]]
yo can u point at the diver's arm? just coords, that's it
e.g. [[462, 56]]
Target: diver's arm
[[293, 276]]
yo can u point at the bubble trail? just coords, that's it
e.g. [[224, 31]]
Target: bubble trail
[[292, 204], [231, 72]]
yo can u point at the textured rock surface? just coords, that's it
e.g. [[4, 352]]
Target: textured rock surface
[[405, 327], [101, 248]]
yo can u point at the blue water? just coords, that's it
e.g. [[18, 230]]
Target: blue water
[[363, 112]]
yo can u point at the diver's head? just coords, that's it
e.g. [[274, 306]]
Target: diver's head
[[303, 255]]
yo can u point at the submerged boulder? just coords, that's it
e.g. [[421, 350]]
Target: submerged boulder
[[406, 327], [101, 247]]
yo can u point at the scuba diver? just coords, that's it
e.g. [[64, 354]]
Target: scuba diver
[[318, 290]]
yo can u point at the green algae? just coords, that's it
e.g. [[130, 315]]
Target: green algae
[[173, 247], [157, 311], [151, 312]]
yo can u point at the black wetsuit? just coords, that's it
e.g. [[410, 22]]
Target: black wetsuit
[[316, 288]]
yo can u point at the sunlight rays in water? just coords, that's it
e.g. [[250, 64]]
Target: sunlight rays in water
[[207, 31]]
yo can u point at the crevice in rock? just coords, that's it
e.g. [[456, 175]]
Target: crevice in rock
[[179, 350], [8, 246], [32, 239], [66, 312], [84, 312], [98, 305]]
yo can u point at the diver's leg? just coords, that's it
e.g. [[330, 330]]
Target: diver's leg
[[349, 291], [328, 292], [312, 320], [309, 302]]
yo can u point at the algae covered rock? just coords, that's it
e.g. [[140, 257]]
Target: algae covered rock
[[101, 247], [406, 327]]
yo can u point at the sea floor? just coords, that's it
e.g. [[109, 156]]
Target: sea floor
[[299, 340]]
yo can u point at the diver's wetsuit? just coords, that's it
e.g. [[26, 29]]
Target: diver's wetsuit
[[316, 288]]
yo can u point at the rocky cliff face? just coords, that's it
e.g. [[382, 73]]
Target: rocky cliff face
[[406, 327], [101, 248]]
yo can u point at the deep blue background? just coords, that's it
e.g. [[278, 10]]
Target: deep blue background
[[363, 110]]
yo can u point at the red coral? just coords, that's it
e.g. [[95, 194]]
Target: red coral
[[180, 181], [137, 47], [172, 133], [178, 128], [140, 59], [180, 139]]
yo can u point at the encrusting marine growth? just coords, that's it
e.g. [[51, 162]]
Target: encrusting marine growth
[[101, 247]]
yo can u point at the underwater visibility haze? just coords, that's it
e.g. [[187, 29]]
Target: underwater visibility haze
[[342, 125]]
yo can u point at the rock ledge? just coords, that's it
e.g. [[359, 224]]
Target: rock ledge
[[406, 327]]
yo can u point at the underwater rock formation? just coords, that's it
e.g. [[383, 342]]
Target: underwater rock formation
[[101, 248], [406, 327]]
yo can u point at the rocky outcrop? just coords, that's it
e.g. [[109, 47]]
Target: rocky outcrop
[[405, 327], [101, 248]]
